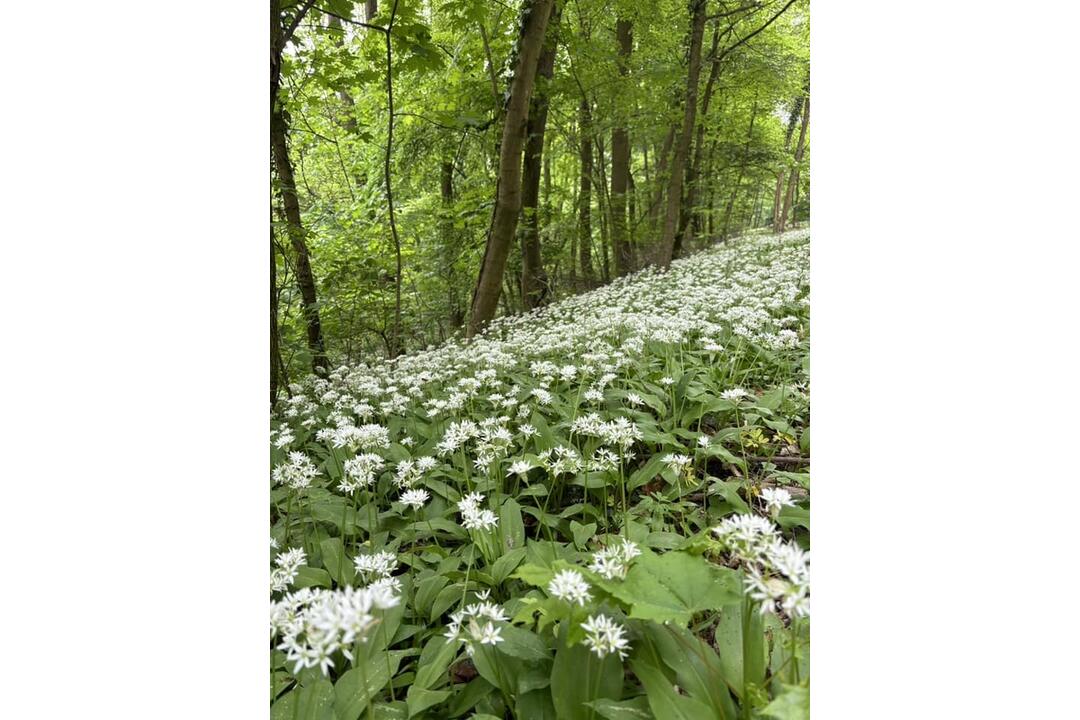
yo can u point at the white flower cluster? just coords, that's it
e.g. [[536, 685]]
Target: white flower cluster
[[569, 585], [778, 572], [472, 516], [476, 624], [775, 499], [614, 562], [288, 565], [604, 636], [415, 498], [360, 472], [297, 473], [376, 566], [314, 624]]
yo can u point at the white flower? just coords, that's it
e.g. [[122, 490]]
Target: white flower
[[297, 473], [614, 562], [604, 636], [288, 565], [677, 462], [415, 498], [734, 394], [570, 586], [375, 566], [360, 472], [519, 467], [634, 399], [472, 516], [776, 498], [703, 441], [667, 381]]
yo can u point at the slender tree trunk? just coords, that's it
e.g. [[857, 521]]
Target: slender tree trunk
[[276, 369], [620, 163], [371, 9], [603, 205], [668, 240], [689, 220], [794, 177], [585, 193], [287, 187], [396, 344], [631, 197], [793, 117], [534, 281], [508, 194]]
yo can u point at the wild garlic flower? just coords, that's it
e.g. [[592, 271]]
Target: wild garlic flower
[[746, 536], [621, 432], [667, 381], [476, 624], [315, 624], [376, 565], [415, 498], [677, 461], [519, 467], [569, 585], [734, 394], [614, 562], [288, 565], [703, 441], [593, 395], [527, 430], [472, 516], [604, 636], [297, 473], [775, 499], [360, 472], [634, 399]]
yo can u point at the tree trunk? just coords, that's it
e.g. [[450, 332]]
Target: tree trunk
[[662, 159], [620, 163], [287, 186], [668, 240], [508, 194], [276, 369], [371, 9], [395, 348], [534, 281], [689, 220], [794, 177], [793, 117], [585, 192], [449, 242]]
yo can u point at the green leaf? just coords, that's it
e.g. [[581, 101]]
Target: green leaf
[[793, 703], [354, 688], [582, 533], [511, 528], [311, 577], [313, 702], [434, 662], [666, 704], [505, 565], [696, 665], [578, 677], [340, 567], [535, 705], [520, 643], [420, 699], [673, 586], [426, 591], [635, 709]]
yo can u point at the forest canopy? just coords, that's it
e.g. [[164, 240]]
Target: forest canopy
[[436, 163]]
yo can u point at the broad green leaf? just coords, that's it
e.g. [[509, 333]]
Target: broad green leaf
[[635, 709], [793, 703], [313, 702], [665, 703], [311, 577], [340, 567], [578, 677], [431, 669], [505, 565], [673, 586], [360, 684], [420, 699]]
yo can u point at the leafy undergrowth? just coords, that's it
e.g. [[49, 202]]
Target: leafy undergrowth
[[599, 510]]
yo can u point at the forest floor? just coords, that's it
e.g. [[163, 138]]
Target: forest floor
[[598, 510]]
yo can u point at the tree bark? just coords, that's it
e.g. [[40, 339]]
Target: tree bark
[[534, 281], [794, 177], [508, 194], [276, 369], [585, 192], [396, 346], [371, 9], [620, 162], [668, 239], [689, 218], [793, 117], [287, 187]]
